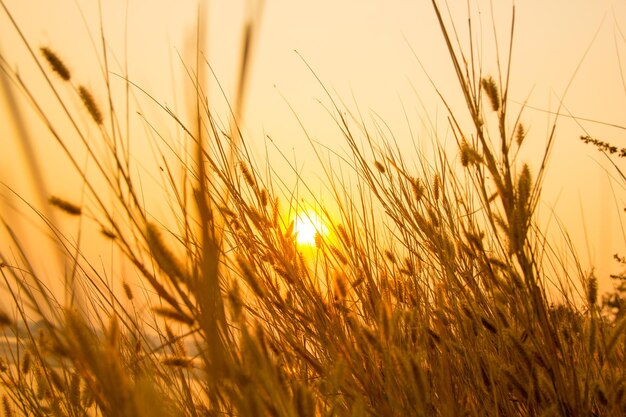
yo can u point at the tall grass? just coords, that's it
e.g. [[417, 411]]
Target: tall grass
[[433, 295]]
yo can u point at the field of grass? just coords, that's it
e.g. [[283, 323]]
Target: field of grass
[[431, 292]]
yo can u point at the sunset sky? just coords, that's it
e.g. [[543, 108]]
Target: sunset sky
[[364, 51]]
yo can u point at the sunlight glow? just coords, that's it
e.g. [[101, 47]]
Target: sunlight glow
[[306, 226]]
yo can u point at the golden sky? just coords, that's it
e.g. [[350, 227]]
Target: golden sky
[[363, 51]]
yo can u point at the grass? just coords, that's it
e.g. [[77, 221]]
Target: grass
[[433, 294]]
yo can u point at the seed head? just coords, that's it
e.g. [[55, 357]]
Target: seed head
[[56, 63], [108, 233], [418, 188], [235, 301], [247, 174], [520, 134], [264, 197], [524, 186], [469, 155], [57, 380], [464, 153], [436, 187], [390, 256], [341, 286], [75, 389], [178, 362], [344, 235], [338, 255], [275, 209], [26, 362], [66, 206], [250, 276], [6, 406], [319, 240], [127, 290], [491, 89], [90, 104], [163, 255], [592, 290]]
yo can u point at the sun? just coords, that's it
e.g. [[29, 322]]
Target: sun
[[306, 226]]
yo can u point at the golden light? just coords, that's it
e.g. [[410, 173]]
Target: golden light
[[306, 226]]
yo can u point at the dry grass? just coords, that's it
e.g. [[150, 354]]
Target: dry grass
[[448, 315]]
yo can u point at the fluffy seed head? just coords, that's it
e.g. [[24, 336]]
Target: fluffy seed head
[[247, 174], [390, 256], [90, 104], [469, 155], [6, 406], [178, 362], [524, 184], [56, 63], [75, 389], [163, 255], [417, 188], [319, 240], [275, 209], [108, 233], [66, 206], [26, 362], [264, 197], [341, 285], [340, 257], [491, 89], [57, 381], [250, 276], [520, 134], [235, 301], [592, 290], [464, 153], [344, 235], [127, 291], [593, 330], [436, 187]]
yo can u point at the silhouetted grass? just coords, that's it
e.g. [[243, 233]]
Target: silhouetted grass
[[449, 314]]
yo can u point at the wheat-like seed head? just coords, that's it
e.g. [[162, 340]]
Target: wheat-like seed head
[[56, 63], [70, 208], [491, 89], [177, 362], [162, 254], [26, 362], [436, 186], [592, 290], [90, 104], [520, 134], [6, 406], [250, 276], [247, 174]]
